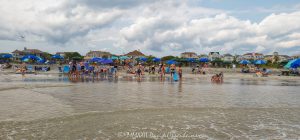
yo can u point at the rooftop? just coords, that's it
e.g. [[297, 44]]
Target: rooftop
[[135, 53]]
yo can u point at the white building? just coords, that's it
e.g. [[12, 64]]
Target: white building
[[189, 55], [228, 58], [214, 55]]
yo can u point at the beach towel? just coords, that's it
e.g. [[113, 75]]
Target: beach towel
[[29, 68], [175, 76], [66, 69]]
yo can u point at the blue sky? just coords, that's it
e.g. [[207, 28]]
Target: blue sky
[[153, 26]]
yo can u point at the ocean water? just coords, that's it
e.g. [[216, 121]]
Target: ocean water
[[148, 108]]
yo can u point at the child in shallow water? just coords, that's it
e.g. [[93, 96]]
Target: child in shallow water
[[218, 78]]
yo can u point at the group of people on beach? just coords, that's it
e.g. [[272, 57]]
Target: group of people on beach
[[85, 69], [162, 70]]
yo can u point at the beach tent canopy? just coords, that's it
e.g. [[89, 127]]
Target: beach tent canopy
[[114, 57], [244, 62], [57, 56], [6, 56], [204, 59], [169, 62], [124, 57], [143, 59], [107, 61], [156, 59], [293, 64], [260, 62]]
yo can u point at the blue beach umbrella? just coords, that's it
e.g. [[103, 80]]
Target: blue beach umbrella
[[191, 60], [204, 59], [260, 62], [107, 61], [29, 57], [6, 56], [244, 62], [293, 64], [96, 59], [156, 59], [143, 59], [40, 60], [57, 56], [169, 62]]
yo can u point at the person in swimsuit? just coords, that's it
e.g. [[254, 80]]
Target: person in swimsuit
[[153, 69], [139, 70], [82, 67], [162, 71], [180, 72], [172, 67], [23, 69]]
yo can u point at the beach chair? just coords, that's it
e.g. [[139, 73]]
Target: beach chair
[[66, 69], [30, 69]]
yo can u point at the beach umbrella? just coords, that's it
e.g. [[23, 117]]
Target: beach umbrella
[[6, 56], [124, 57], [260, 62], [96, 59], [156, 59], [204, 59], [169, 62], [191, 60], [57, 56], [114, 57], [28, 57], [143, 59], [39, 59], [107, 61], [293, 64], [32, 57], [245, 62]]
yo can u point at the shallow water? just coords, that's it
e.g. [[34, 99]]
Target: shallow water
[[128, 108]]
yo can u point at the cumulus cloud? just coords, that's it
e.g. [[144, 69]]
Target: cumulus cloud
[[155, 27]]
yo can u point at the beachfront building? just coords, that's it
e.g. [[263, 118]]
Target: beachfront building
[[18, 54], [253, 56], [101, 54], [214, 56], [277, 58], [189, 55], [135, 54], [228, 58], [63, 54]]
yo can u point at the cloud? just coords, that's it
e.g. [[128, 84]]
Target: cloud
[[155, 27]]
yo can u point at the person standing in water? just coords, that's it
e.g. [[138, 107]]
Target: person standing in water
[[179, 72], [23, 69], [139, 70], [162, 70], [172, 67]]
